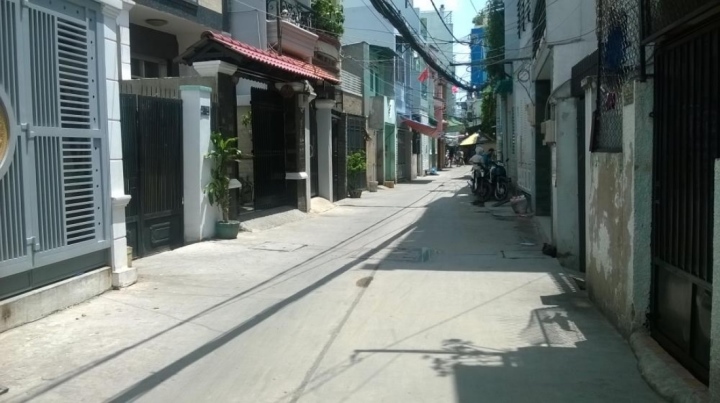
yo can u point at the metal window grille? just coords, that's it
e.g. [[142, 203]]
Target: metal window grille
[[618, 33]]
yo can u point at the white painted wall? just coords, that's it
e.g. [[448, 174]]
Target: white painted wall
[[619, 214], [122, 275], [199, 215], [565, 224], [364, 24], [525, 142], [248, 24], [441, 38], [522, 96], [324, 133]]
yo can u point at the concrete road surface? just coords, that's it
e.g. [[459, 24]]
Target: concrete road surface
[[410, 294]]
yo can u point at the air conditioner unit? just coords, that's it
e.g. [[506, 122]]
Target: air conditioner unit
[[548, 129], [530, 112]]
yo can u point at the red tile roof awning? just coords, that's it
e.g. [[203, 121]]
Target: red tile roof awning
[[423, 128], [267, 57]]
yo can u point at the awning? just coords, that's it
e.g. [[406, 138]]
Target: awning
[[454, 125], [470, 140], [255, 62], [423, 128]]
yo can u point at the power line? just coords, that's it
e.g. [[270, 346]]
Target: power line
[[442, 19], [393, 15]]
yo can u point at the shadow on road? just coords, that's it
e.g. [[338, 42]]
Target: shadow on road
[[573, 354]]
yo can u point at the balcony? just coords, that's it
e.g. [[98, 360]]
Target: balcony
[[300, 36], [327, 53], [293, 31]]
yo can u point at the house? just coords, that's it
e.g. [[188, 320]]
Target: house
[[154, 32], [61, 186], [411, 102], [651, 179], [375, 64], [616, 132], [437, 32], [292, 30]]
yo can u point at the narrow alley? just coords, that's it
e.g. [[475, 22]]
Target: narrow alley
[[410, 294]]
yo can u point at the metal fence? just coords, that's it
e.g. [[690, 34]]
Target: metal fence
[[660, 16], [356, 142], [618, 31]]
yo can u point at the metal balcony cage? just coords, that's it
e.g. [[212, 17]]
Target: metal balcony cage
[[293, 11]]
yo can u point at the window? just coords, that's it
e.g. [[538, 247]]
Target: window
[[423, 28], [375, 85], [145, 67]]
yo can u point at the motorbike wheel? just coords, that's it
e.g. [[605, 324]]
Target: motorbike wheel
[[501, 191], [484, 190]]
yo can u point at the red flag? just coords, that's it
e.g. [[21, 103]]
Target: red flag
[[424, 75], [454, 89]]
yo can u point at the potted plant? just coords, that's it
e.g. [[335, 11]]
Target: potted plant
[[329, 17], [356, 165], [218, 190]]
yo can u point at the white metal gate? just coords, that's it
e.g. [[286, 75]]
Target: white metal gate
[[54, 171]]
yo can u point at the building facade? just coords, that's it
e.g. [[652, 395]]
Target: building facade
[[478, 73], [61, 183]]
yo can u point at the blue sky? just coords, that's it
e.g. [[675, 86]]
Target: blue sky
[[463, 13]]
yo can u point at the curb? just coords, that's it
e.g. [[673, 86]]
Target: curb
[[665, 375]]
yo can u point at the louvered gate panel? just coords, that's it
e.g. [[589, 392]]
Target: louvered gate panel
[[68, 156], [52, 204], [12, 215], [9, 81], [14, 256], [49, 186], [43, 68]]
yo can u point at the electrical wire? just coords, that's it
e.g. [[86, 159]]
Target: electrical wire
[[442, 19], [393, 15]]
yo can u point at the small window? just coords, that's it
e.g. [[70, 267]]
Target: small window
[[423, 28], [143, 67]]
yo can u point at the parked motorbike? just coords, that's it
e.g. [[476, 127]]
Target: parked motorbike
[[498, 180], [479, 183]]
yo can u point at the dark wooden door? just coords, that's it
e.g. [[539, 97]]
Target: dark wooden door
[[152, 166], [268, 149]]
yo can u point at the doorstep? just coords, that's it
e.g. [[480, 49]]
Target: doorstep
[[258, 220], [665, 375], [37, 304]]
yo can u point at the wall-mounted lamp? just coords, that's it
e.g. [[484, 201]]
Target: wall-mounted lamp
[[156, 22]]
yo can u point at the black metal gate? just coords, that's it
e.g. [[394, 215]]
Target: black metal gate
[[339, 154], [687, 126], [356, 142], [152, 133], [402, 154], [268, 149]]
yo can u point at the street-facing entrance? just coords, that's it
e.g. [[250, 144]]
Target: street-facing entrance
[[153, 171], [54, 210], [686, 144], [268, 149]]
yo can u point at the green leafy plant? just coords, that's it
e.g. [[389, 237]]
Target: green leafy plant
[[329, 17], [246, 119], [479, 19], [495, 38], [493, 18], [218, 190], [356, 165]]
